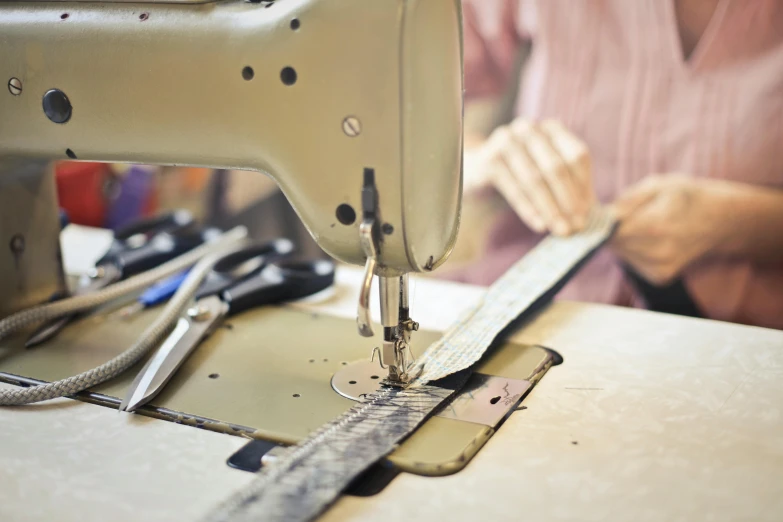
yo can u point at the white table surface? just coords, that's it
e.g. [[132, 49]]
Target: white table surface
[[652, 417]]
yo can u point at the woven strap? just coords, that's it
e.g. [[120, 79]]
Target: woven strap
[[310, 476], [532, 281]]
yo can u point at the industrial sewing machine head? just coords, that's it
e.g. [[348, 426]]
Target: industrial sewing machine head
[[354, 107]]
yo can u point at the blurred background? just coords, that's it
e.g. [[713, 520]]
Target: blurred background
[[113, 195]]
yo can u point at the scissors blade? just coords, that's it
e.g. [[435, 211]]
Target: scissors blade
[[187, 334], [47, 331]]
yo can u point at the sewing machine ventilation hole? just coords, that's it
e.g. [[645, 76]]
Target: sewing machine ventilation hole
[[374, 377], [295, 24], [296, 396], [351, 382], [494, 400], [345, 214], [214, 375], [288, 75], [64, 16], [248, 73], [144, 16], [71, 154]]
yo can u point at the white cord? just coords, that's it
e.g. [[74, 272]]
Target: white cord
[[211, 253]]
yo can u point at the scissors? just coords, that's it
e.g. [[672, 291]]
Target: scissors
[[257, 275], [136, 248]]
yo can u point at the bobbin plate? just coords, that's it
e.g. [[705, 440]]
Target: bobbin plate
[[485, 399]]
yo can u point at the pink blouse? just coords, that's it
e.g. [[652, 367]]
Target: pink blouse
[[613, 72]]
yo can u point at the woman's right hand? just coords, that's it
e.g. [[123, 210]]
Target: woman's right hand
[[544, 173]]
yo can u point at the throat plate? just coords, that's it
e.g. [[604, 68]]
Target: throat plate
[[485, 399]]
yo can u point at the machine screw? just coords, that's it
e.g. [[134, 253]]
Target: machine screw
[[352, 126], [410, 325], [199, 313], [17, 244], [15, 86], [97, 273]]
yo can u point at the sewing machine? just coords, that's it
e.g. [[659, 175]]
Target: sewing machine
[[353, 107]]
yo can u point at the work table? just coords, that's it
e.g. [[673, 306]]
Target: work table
[[651, 417]]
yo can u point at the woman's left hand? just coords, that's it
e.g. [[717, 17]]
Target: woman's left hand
[[667, 222]]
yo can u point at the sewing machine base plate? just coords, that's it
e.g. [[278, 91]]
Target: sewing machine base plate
[[266, 374], [485, 399]]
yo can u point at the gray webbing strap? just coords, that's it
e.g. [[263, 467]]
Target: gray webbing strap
[[310, 476], [532, 278]]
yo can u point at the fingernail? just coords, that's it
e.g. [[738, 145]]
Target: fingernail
[[561, 228], [538, 228]]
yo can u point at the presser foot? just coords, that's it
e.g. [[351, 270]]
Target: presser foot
[[396, 357]]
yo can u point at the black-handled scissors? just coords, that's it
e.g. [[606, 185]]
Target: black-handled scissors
[[135, 249], [140, 231], [258, 275]]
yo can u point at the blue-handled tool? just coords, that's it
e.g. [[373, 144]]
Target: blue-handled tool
[[154, 295]]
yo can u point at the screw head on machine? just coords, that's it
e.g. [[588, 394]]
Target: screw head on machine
[[17, 244], [199, 313], [15, 86], [352, 126]]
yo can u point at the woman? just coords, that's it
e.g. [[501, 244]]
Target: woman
[[669, 111]]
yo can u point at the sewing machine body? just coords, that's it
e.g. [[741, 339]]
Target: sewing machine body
[[310, 92]]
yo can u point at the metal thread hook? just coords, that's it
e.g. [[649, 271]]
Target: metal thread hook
[[380, 358], [363, 319]]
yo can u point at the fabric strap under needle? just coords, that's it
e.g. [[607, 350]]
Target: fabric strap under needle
[[310, 476]]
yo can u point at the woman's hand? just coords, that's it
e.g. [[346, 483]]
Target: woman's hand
[[542, 171], [668, 222]]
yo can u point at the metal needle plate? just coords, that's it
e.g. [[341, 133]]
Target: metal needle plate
[[358, 379], [485, 399]]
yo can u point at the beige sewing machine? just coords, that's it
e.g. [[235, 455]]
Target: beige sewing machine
[[353, 107]]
